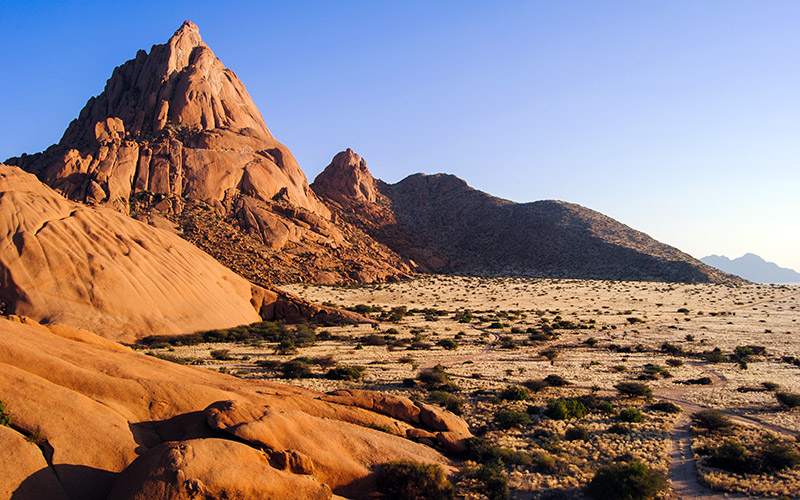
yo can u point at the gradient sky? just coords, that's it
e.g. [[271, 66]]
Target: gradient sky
[[678, 118]]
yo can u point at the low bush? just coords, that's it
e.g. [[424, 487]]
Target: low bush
[[5, 416], [483, 451], [345, 372], [698, 381], [631, 415], [788, 400], [665, 406], [712, 420], [435, 378], [296, 368], [626, 481], [565, 409], [409, 480], [448, 344], [619, 429], [494, 479], [507, 419], [514, 393], [634, 389], [556, 381], [770, 456], [221, 354], [536, 385], [576, 433], [730, 456], [446, 400]]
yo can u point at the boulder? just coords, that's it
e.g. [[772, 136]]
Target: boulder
[[211, 468]]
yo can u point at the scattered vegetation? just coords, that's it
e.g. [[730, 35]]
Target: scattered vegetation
[[5, 416]]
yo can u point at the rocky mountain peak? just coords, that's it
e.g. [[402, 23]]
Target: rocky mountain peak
[[180, 84], [346, 180]]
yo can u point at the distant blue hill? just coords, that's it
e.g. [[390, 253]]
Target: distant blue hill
[[753, 268]]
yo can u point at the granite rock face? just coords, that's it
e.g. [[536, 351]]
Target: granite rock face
[[174, 127], [63, 262], [115, 424]]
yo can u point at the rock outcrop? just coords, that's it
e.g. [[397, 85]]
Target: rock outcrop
[[113, 423], [91, 267], [441, 224], [94, 268], [347, 181], [175, 127]]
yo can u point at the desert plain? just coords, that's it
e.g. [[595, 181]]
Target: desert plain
[[504, 351]]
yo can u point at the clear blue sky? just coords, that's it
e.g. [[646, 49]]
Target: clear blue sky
[[678, 118]]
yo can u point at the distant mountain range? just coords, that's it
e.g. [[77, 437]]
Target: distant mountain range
[[753, 268]]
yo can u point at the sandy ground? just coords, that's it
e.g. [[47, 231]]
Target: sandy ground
[[629, 323]]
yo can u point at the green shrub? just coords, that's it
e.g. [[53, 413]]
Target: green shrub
[[631, 415], [450, 402], [483, 451], [626, 481], [576, 433], [698, 381], [634, 389], [37, 438], [777, 455], [169, 357], [712, 420], [345, 372], [434, 378], [565, 409], [770, 457], [5, 416], [507, 419], [514, 393], [285, 346], [546, 462], [788, 400], [494, 479], [556, 381], [731, 456], [448, 344], [550, 353], [665, 406], [221, 354], [409, 480], [296, 368], [536, 385], [770, 386], [619, 428]]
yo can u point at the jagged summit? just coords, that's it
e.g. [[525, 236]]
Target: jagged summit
[[175, 133], [346, 180], [180, 83]]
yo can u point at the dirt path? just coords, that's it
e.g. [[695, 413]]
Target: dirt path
[[683, 471]]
